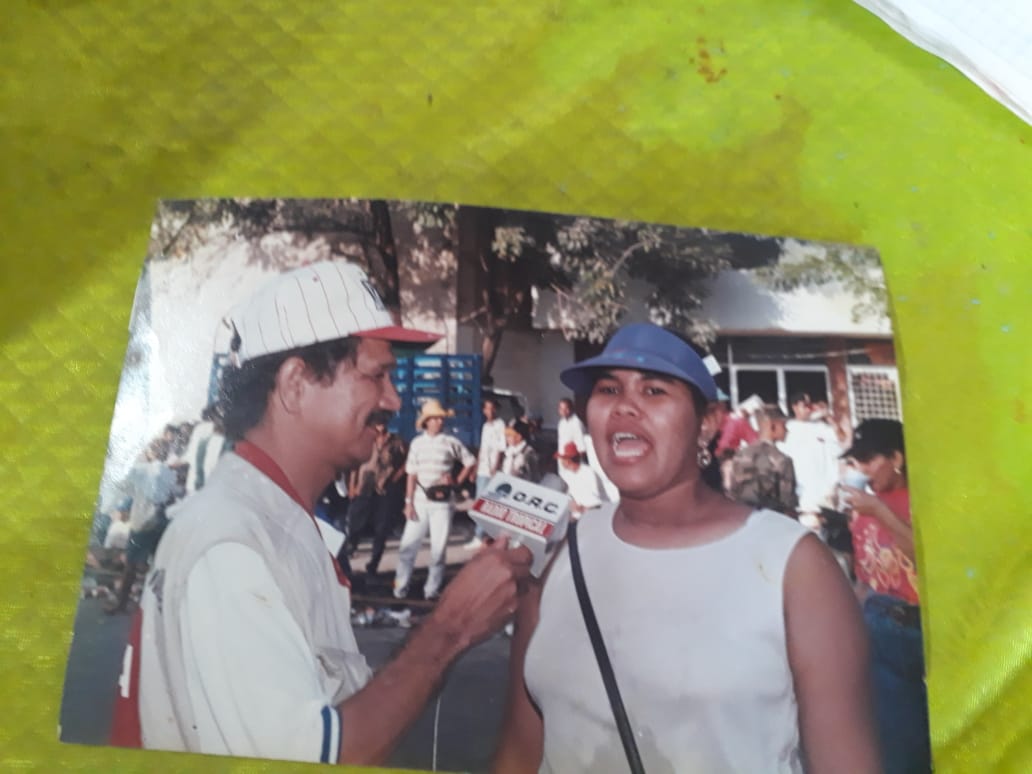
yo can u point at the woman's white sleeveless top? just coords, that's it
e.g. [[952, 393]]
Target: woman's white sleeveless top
[[696, 637]]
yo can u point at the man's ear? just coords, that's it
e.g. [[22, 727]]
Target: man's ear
[[292, 380]]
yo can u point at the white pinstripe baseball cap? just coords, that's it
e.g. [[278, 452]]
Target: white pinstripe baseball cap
[[319, 302]]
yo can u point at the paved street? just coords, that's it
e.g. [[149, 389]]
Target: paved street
[[471, 700]]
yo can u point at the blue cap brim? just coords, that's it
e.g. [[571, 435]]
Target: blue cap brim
[[581, 377]]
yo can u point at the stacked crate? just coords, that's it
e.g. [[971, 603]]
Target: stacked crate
[[454, 380]]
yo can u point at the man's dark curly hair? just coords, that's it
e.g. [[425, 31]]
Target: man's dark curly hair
[[244, 391]]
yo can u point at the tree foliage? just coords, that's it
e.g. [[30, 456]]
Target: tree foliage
[[856, 270], [600, 271], [605, 262], [279, 233]]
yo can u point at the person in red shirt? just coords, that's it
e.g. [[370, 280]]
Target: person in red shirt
[[885, 569], [735, 432]]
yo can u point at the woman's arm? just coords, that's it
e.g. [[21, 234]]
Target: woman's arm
[[521, 743], [872, 505], [827, 652]]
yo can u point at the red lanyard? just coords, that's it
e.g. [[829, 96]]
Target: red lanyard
[[267, 465]]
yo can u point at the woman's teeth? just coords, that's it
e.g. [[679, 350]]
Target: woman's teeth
[[628, 445]]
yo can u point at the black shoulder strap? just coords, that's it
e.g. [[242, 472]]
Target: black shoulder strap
[[623, 725]]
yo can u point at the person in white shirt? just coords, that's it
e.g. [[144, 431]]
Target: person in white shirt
[[489, 456], [207, 443], [244, 644], [117, 537], [814, 449], [154, 484], [584, 487], [569, 429], [519, 458], [612, 494]]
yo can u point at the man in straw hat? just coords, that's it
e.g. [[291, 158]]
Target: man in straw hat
[[244, 644], [428, 496]]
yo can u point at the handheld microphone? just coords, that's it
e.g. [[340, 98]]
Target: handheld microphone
[[531, 515]]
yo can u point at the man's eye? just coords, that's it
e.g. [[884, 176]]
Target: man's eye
[[653, 390]]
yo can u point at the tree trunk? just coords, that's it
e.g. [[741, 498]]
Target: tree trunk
[[475, 230], [489, 352], [383, 239]]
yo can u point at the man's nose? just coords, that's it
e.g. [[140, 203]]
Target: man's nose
[[391, 400]]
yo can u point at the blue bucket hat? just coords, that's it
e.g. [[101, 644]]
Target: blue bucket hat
[[644, 347]]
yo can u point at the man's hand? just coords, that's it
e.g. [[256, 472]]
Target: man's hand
[[485, 594], [476, 603], [410, 511]]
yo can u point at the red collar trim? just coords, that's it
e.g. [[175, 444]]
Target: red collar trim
[[268, 466]]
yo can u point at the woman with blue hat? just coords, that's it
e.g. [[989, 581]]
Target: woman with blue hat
[[679, 630]]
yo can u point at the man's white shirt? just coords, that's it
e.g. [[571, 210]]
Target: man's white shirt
[[570, 430], [612, 493], [256, 693], [432, 456], [252, 651], [815, 450], [584, 487], [492, 445]]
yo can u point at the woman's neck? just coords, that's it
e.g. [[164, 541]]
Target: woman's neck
[[686, 515], [678, 505]]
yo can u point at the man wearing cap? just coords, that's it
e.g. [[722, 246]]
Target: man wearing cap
[[885, 564], [428, 496], [244, 643], [760, 474], [583, 484]]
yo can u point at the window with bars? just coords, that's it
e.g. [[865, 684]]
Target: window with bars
[[778, 383], [874, 393]]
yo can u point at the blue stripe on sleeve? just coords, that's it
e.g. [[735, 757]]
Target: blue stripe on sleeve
[[327, 726]]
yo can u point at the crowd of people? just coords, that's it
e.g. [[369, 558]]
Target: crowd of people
[[403, 490], [171, 466], [749, 652]]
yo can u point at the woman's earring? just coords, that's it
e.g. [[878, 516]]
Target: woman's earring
[[704, 458]]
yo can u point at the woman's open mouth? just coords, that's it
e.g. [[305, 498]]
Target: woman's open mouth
[[629, 446]]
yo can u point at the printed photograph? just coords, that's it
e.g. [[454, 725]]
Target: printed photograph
[[441, 487]]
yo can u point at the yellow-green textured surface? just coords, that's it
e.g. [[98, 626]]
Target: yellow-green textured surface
[[812, 119]]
